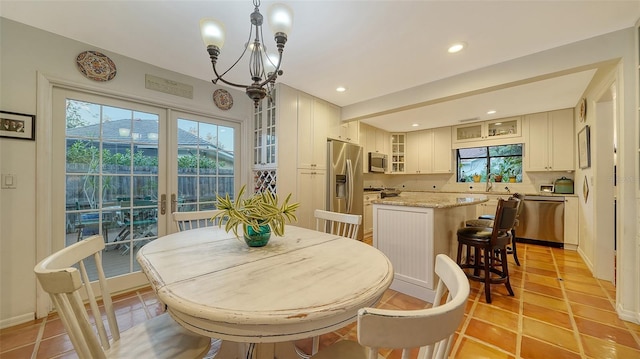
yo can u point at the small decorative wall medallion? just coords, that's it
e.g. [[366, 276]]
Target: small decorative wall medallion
[[222, 99], [583, 110], [96, 66]]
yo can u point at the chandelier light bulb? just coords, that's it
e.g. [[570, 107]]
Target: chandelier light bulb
[[280, 18], [212, 32], [264, 69]]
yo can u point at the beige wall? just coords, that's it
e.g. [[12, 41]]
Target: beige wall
[[26, 52]]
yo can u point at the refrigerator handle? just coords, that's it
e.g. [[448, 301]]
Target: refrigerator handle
[[349, 186]]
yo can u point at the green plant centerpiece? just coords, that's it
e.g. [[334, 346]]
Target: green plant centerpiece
[[259, 214]]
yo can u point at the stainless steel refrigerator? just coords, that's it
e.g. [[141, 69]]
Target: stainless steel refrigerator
[[344, 179]]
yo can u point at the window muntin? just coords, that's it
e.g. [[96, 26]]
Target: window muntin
[[505, 160]]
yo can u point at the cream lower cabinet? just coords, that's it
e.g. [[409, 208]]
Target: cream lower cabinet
[[489, 207], [311, 195], [367, 220], [571, 225], [549, 141]]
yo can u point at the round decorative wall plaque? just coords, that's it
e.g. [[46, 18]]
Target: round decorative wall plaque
[[96, 66], [222, 99], [583, 110]]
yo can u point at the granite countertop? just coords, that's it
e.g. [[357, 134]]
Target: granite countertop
[[432, 200], [499, 193]]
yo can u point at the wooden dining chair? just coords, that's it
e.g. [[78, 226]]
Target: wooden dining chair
[[342, 224], [66, 275], [195, 219], [429, 329]]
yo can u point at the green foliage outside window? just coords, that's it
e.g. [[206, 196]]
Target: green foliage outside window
[[505, 161]]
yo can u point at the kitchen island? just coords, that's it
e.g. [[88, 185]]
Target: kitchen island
[[414, 227]]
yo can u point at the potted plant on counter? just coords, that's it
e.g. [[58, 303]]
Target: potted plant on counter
[[260, 215]]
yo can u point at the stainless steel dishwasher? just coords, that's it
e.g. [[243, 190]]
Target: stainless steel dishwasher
[[542, 221]]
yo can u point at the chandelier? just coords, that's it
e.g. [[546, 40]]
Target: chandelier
[[263, 69]]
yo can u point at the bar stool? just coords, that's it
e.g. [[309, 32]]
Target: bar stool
[[489, 263], [486, 220]]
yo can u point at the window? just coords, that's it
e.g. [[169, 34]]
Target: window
[[502, 162]]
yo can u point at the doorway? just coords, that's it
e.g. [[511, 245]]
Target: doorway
[[125, 166], [605, 201]]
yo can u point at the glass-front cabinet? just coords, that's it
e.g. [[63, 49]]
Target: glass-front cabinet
[[398, 148], [494, 129], [264, 133]]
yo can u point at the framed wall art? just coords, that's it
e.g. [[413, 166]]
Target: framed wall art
[[17, 125], [584, 147]]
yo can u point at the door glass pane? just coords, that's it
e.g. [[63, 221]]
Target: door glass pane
[[111, 180], [205, 164]]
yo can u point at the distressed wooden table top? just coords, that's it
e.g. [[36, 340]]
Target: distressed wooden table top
[[297, 286]]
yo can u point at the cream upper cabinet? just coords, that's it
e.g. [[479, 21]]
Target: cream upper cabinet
[[350, 132], [499, 132], [419, 152], [550, 141], [383, 141], [375, 140], [314, 115], [344, 131], [442, 160], [429, 151]]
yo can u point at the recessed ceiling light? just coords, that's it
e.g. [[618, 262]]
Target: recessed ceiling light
[[341, 89], [415, 125], [491, 112], [456, 47]]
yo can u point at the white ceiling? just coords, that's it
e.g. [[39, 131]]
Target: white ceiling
[[372, 48]]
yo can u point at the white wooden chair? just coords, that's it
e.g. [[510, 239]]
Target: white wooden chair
[[342, 224], [65, 277], [191, 220], [430, 329]]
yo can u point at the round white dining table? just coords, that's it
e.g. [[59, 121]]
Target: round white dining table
[[303, 284]]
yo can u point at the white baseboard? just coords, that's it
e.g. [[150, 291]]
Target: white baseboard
[[9, 322]]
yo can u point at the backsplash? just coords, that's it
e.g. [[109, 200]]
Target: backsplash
[[446, 182]]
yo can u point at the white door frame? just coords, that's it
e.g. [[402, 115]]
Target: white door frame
[[44, 161]]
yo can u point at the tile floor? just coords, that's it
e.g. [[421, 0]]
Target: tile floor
[[559, 311]]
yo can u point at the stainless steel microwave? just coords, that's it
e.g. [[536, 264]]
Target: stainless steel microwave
[[377, 162]]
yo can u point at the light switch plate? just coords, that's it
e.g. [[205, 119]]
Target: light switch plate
[[8, 181]]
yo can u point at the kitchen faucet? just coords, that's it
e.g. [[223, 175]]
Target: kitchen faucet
[[489, 184]]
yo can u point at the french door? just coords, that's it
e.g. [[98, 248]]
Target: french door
[[203, 161], [110, 159], [125, 166]]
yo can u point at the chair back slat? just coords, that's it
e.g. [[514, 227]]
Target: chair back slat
[[191, 220], [342, 224]]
